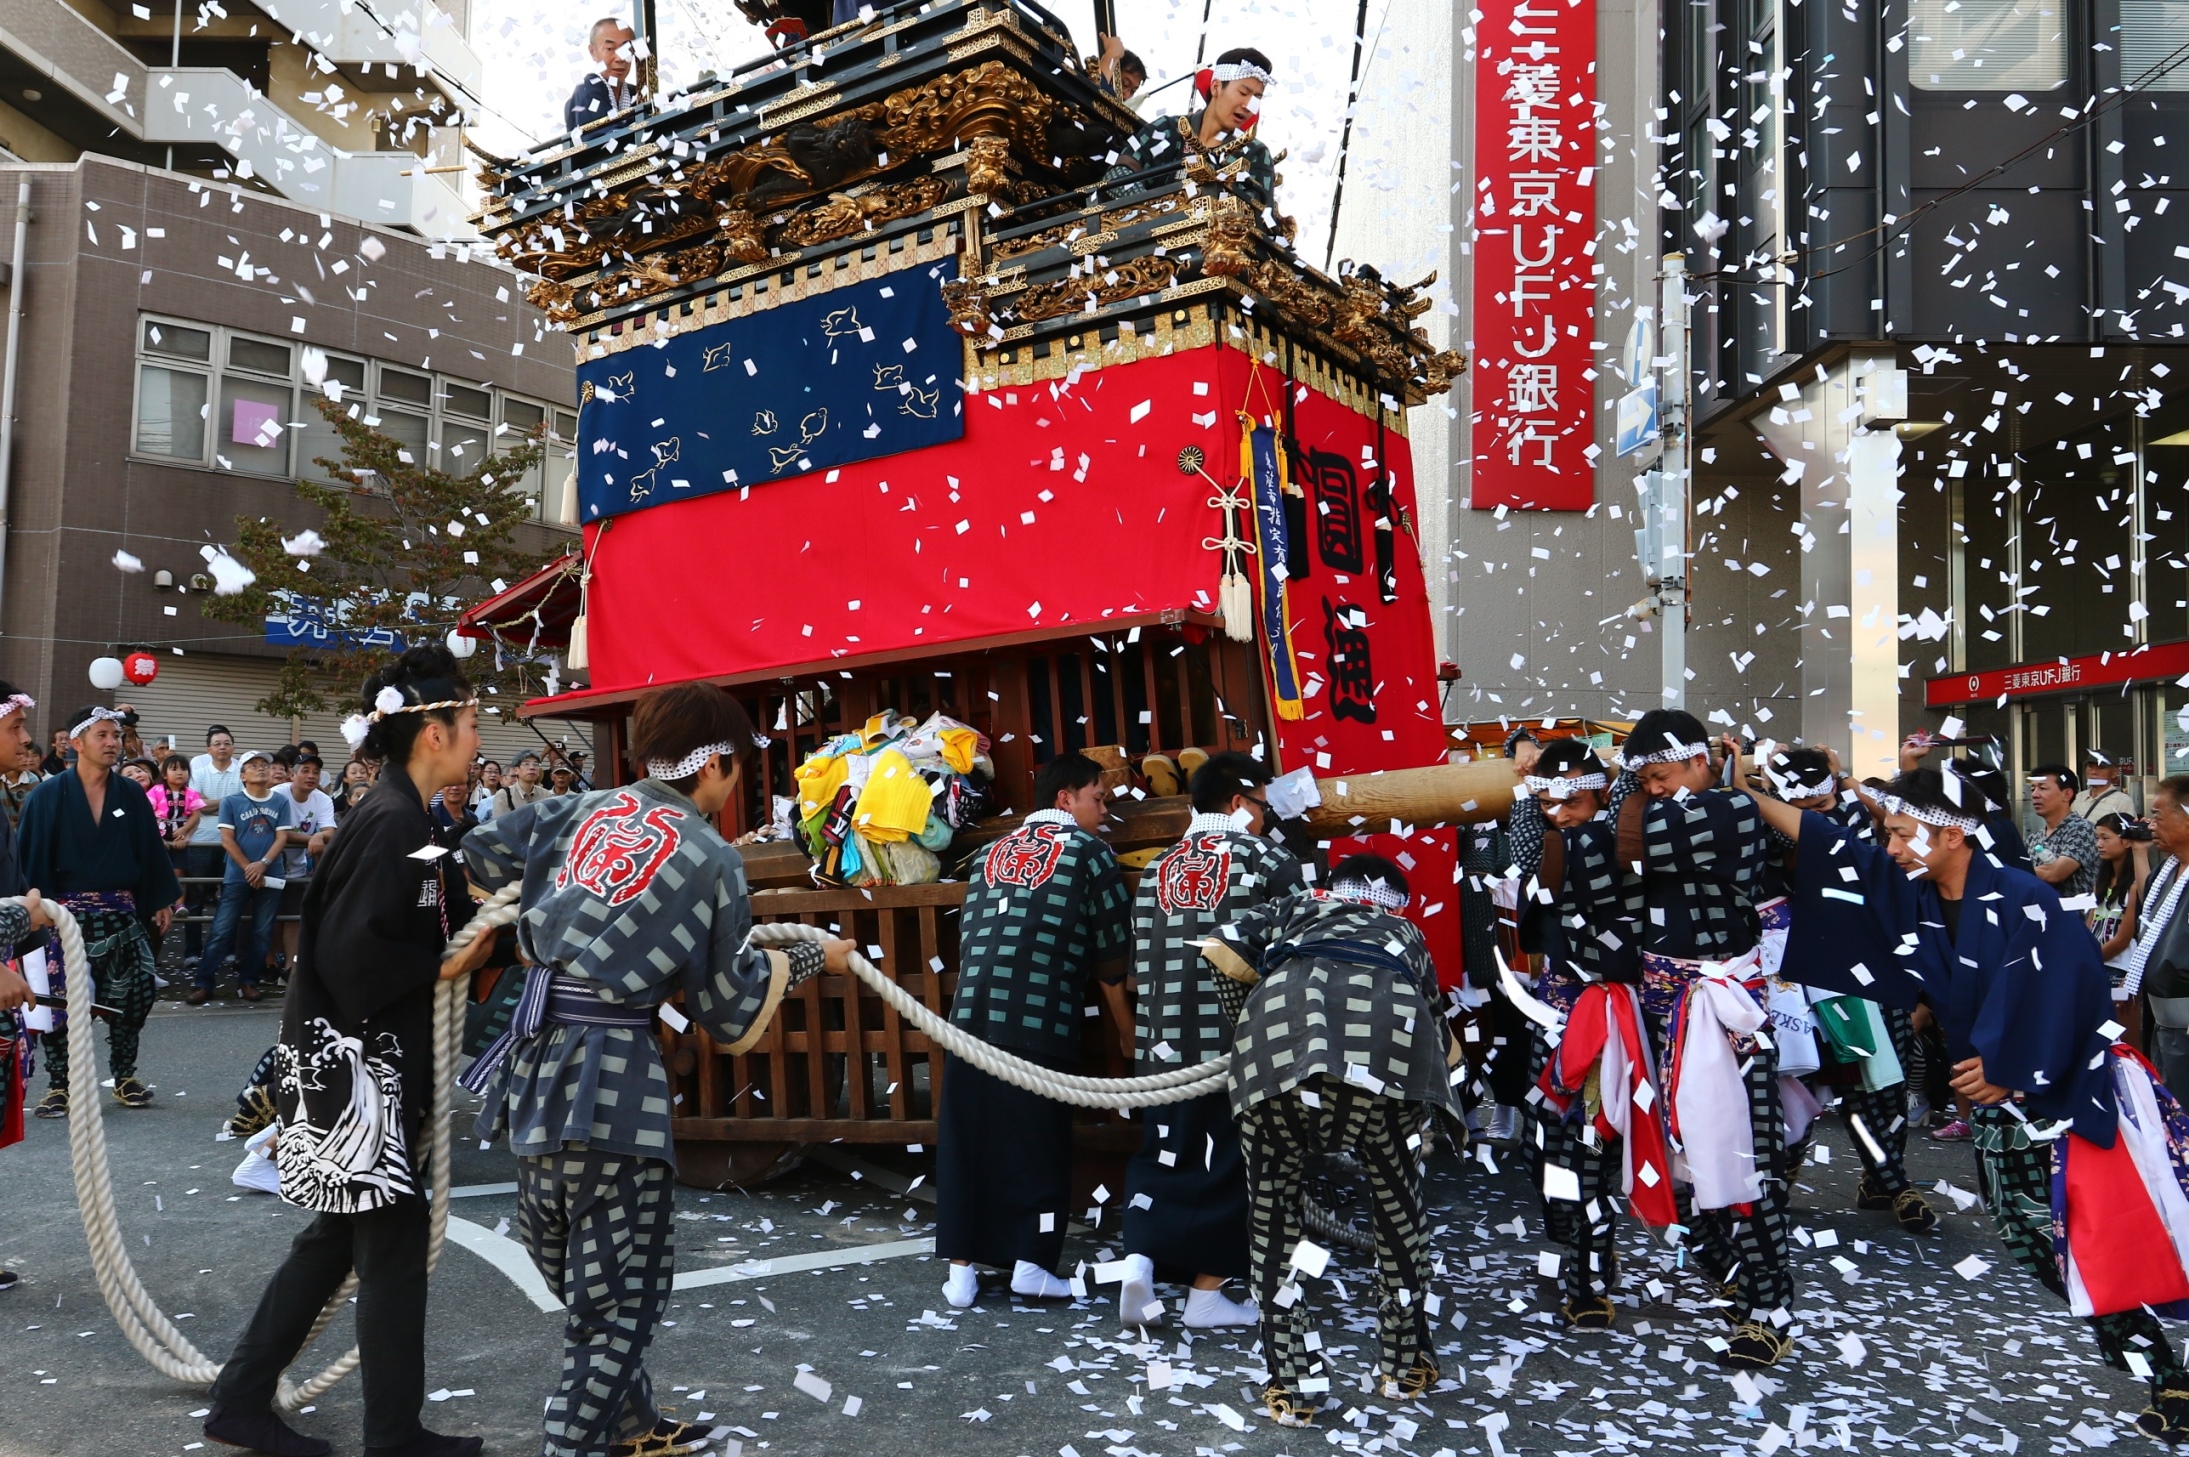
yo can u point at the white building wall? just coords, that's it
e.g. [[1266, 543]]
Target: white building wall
[[1532, 635]]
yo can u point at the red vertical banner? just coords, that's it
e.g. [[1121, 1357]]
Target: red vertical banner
[[1534, 251]]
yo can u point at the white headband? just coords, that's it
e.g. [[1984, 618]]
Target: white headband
[[690, 764], [21, 701], [1565, 786], [1937, 818], [1380, 894], [390, 700], [1790, 787], [98, 715], [1669, 755], [1241, 71]]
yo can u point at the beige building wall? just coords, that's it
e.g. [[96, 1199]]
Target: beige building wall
[[1531, 606]]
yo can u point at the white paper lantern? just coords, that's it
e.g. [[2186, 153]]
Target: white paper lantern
[[106, 674], [460, 646]]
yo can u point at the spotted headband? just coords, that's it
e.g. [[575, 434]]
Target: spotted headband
[[1565, 786], [1380, 894], [1944, 819], [1789, 787], [1671, 754], [690, 764], [1241, 71], [98, 715], [390, 700], [21, 701]]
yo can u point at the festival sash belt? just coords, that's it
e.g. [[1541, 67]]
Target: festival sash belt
[[1717, 1012], [552, 998], [1339, 949]]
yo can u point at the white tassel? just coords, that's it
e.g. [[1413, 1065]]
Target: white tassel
[[566, 500], [1235, 597], [576, 657]]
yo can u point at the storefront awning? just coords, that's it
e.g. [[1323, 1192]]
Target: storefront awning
[[609, 703], [533, 615]]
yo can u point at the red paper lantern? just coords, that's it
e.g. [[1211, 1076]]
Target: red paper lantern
[[140, 668]]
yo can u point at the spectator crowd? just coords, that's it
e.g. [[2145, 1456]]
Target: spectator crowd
[[245, 827]]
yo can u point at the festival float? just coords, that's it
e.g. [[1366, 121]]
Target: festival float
[[903, 424]]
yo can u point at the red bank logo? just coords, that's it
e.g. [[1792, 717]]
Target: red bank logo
[[619, 849]]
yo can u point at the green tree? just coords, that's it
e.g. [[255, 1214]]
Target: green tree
[[401, 546]]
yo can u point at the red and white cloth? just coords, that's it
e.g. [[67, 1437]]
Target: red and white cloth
[[1713, 1131], [1604, 1033]]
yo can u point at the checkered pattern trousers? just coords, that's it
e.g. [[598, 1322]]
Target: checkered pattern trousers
[[1585, 1230], [601, 1229], [1884, 1113], [1280, 1136], [2014, 1174], [119, 954], [1755, 1249]]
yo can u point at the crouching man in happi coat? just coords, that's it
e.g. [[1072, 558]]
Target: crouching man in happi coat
[[1701, 851], [1598, 1131], [630, 897], [1339, 1046], [2079, 1149], [1186, 1189]]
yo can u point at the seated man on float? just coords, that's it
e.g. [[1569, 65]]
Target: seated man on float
[[1221, 133]]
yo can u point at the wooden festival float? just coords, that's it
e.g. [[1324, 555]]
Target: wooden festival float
[[890, 406]]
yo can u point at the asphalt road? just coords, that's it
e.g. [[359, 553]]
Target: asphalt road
[[774, 1334]]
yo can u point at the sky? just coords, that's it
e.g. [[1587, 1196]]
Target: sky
[[532, 62]]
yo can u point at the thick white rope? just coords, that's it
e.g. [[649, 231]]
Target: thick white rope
[[147, 1328], [1178, 1085]]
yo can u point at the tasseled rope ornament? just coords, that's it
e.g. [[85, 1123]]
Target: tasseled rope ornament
[[1234, 592]]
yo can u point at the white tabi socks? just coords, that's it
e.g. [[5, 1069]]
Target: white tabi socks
[[1029, 1279]]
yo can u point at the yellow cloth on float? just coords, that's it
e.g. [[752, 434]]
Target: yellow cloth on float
[[895, 802], [959, 745], [818, 780]]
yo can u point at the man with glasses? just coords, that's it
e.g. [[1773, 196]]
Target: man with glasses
[[1186, 1190]]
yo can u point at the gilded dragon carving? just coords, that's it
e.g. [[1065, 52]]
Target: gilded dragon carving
[[1130, 279], [845, 214]]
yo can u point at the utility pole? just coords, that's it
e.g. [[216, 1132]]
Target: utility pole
[[1660, 542]]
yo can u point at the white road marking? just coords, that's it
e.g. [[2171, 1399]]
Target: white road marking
[[475, 1191], [510, 1257], [817, 1260], [505, 1255]]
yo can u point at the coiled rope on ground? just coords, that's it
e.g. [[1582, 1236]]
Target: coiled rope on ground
[[145, 1325]]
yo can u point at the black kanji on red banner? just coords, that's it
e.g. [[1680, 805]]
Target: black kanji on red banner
[[1352, 667], [1334, 496]]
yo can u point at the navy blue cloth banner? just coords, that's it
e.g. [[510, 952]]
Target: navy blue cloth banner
[[864, 370]]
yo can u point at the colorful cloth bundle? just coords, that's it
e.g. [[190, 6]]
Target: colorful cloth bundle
[[875, 807]]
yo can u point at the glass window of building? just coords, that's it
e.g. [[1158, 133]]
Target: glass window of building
[[342, 386], [213, 396], [171, 412], [2151, 31], [1987, 45], [257, 408]]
